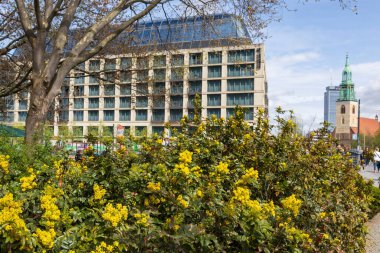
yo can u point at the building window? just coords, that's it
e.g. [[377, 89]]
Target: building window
[[353, 109], [248, 113], [109, 77], [241, 56], [159, 102], [110, 64], [93, 79], [142, 62], [214, 86], [124, 115], [239, 99], [176, 115], [95, 65], [23, 104], [195, 73], [195, 87], [142, 89], [213, 100], [159, 74], [126, 63], [93, 103], [141, 102], [79, 79], [159, 88], [158, 115], [240, 84], [78, 115], [94, 90], [176, 101], [215, 112], [342, 120], [191, 101], [93, 115], [78, 131], [215, 71], [78, 91], [125, 89], [63, 116], [109, 89], [342, 109], [108, 115], [177, 60], [125, 102], [177, 74], [241, 70], [78, 103], [141, 115], [22, 116], [196, 59], [126, 77], [176, 88], [158, 130], [214, 57], [109, 102], [159, 61]]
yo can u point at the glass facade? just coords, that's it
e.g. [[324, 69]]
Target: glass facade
[[330, 97]]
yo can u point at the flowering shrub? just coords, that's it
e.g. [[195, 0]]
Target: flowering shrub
[[218, 186]]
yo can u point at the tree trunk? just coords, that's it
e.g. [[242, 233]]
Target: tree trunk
[[38, 108]]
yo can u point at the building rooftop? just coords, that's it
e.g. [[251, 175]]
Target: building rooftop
[[368, 127]]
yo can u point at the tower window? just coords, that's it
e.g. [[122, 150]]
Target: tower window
[[342, 109], [353, 109], [342, 120]]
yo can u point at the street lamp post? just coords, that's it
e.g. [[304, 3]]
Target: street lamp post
[[358, 146]]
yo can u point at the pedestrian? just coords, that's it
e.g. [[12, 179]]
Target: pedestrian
[[376, 158], [78, 155]]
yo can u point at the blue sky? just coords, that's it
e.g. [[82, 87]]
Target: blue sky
[[306, 50]]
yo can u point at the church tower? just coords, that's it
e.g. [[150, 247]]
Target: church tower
[[346, 108]]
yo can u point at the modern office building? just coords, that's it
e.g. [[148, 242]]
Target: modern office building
[[154, 78], [331, 96]]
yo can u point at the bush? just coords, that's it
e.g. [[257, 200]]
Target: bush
[[219, 186], [374, 206]]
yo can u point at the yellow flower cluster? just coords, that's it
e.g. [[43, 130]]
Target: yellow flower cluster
[[27, 183], [222, 168], [182, 202], [186, 156], [52, 213], [182, 168], [196, 170], [154, 187], [104, 248], [142, 219], [99, 192], [46, 237], [242, 195], [249, 176], [58, 168], [269, 208], [9, 216], [199, 194], [4, 163], [292, 204], [115, 214], [295, 234]]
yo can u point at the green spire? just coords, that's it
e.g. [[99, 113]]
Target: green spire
[[347, 91]]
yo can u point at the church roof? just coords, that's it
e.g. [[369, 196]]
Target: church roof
[[368, 127]]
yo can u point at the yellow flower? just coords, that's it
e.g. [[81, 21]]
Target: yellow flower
[[182, 202], [222, 168], [199, 194], [142, 219], [186, 156], [104, 248], [292, 204], [99, 192], [46, 237], [4, 163], [325, 236], [10, 211], [52, 213], [322, 215], [155, 187], [115, 215], [27, 183], [269, 208]]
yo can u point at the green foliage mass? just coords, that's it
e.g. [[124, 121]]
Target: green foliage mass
[[219, 186]]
